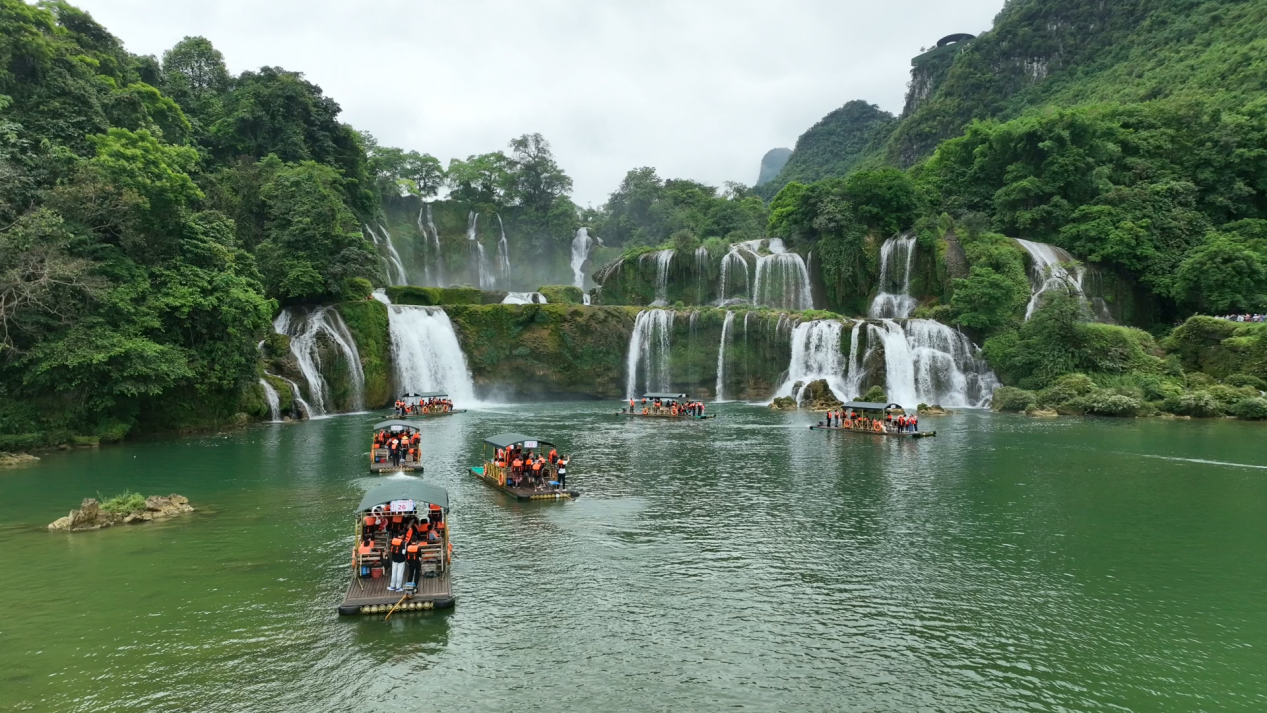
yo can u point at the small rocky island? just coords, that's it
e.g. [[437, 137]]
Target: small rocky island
[[126, 509]]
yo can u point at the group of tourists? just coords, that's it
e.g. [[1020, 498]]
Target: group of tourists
[[530, 469], [1245, 317], [668, 407], [891, 424], [425, 406], [400, 446], [407, 541]]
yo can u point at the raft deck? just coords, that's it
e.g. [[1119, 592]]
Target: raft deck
[[679, 417], [386, 466], [367, 595], [433, 415], [868, 432], [524, 493]]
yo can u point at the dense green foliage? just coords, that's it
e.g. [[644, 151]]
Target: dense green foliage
[[647, 211], [834, 146]]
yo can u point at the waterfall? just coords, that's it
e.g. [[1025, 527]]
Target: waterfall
[[928, 362], [301, 409], [663, 259], [304, 331], [392, 264], [701, 273], [730, 262], [434, 276], [815, 355], [580, 253], [503, 254], [427, 354], [894, 300], [782, 280], [857, 369], [381, 295], [649, 346], [481, 276], [721, 356], [524, 298], [1047, 272], [274, 401]]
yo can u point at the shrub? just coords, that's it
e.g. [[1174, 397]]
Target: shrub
[[1243, 380], [1198, 380], [1007, 398], [876, 395], [1106, 403], [125, 503], [356, 288], [1227, 395], [1254, 409], [1194, 403], [1066, 389]]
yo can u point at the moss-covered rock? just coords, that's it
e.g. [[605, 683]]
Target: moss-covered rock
[[1008, 398], [367, 322], [1220, 348], [439, 296], [563, 294]]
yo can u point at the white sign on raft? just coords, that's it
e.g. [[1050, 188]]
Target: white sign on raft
[[530, 444], [401, 506]]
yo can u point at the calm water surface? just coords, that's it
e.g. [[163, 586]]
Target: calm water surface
[[746, 562]]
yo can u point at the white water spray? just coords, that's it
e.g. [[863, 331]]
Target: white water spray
[[815, 355], [1048, 271], [503, 255], [427, 354], [721, 355], [305, 329], [649, 347], [782, 280], [581, 245], [274, 401], [894, 300], [663, 259], [524, 298]]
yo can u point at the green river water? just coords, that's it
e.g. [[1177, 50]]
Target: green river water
[[745, 562]]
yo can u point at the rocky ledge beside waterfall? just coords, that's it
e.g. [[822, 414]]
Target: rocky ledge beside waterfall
[[126, 509]]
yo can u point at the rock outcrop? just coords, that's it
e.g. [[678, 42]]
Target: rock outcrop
[[17, 460], [818, 396], [90, 515]]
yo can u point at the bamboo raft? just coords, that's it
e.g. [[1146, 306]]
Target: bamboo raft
[[523, 493], [435, 415], [869, 432], [679, 417], [380, 461]]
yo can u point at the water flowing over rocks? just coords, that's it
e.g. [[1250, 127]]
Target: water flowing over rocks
[[312, 333], [894, 300], [427, 354], [91, 516]]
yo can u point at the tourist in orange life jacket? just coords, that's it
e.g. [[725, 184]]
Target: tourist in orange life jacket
[[561, 472], [397, 552], [554, 456], [412, 566], [914, 424]]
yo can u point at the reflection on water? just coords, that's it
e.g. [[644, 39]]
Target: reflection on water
[[745, 561]]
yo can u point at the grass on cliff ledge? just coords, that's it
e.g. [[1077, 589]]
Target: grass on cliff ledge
[[125, 503]]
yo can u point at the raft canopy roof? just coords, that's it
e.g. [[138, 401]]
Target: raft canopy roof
[[418, 490], [505, 440], [425, 395], [395, 422], [661, 395], [870, 406]]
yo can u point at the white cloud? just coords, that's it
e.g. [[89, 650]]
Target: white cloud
[[697, 88]]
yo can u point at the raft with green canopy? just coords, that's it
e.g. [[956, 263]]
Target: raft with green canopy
[[873, 420], [411, 510], [414, 405], [408, 458], [523, 483], [647, 408]]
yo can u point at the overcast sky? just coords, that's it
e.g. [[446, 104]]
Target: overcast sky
[[697, 88]]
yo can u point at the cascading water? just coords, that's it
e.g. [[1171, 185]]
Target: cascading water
[[434, 261], [663, 259], [524, 298], [301, 408], [1048, 271], [701, 272], [730, 262], [928, 362], [392, 264], [581, 245], [721, 355], [857, 364], [815, 355], [503, 254], [381, 295], [782, 280], [427, 354], [649, 347], [480, 274], [894, 300], [274, 401], [304, 330]]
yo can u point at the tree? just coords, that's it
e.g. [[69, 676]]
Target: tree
[[985, 299], [1222, 275], [314, 242], [535, 177], [482, 180], [400, 173], [194, 74]]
